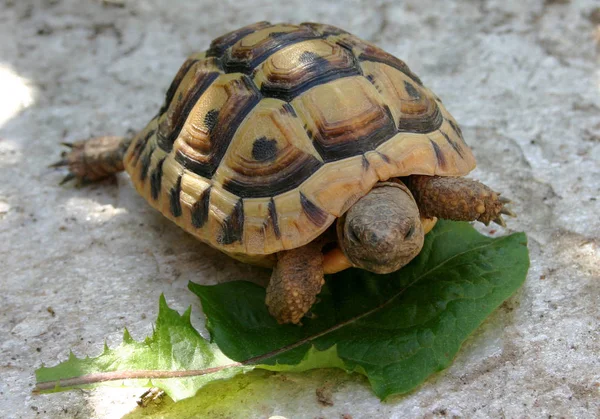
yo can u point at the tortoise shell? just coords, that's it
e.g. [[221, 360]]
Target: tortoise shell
[[276, 130]]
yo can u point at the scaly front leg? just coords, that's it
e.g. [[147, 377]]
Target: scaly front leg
[[458, 198], [296, 280]]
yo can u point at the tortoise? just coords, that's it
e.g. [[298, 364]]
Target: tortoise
[[302, 148]]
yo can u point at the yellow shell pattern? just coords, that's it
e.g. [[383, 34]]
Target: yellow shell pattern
[[275, 131]]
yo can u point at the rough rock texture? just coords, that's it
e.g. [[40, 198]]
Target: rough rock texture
[[78, 265]]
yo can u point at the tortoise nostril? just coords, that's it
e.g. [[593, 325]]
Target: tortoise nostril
[[410, 232]]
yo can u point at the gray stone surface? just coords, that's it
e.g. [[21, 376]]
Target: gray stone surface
[[78, 265]]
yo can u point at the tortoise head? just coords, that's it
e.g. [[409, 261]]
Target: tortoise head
[[382, 231]]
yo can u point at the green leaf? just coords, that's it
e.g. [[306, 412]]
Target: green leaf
[[396, 329], [175, 349]]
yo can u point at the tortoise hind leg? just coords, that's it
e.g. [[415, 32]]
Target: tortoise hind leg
[[296, 280], [94, 159], [458, 198]]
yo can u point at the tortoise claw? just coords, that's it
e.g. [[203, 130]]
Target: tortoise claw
[[64, 161], [507, 211], [60, 163], [504, 200], [67, 178], [500, 221]]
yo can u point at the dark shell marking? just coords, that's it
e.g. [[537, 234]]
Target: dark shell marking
[[288, 178], [139, 147], [200, 209], [315, 214], [438, 154], [210, 119], [422, 124], [264, 149], [273, 218], [233, 226], [453, 144], [156, 179], [412, 91], [146, 159], [174, 202]]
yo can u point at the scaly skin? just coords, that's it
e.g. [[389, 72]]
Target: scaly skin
[[335, 260], [94, 159], [296, 280], [457, 198], [383, 231]]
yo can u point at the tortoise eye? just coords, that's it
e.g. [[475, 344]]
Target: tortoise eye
[[410, 232]]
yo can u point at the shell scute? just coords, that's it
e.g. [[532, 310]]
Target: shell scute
[[247, 172], [301, 66], [213, 121], [346, 117], [223, 42], [254, 48], [198, 77], [413, 107]]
